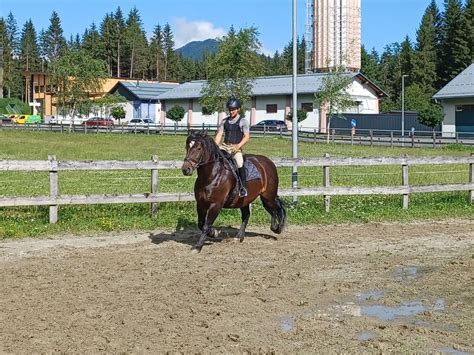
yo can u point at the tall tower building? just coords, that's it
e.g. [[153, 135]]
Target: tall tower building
[[336, 34]]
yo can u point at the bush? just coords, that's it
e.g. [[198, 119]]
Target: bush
[[118, 112], [176, 113], [300, 114]]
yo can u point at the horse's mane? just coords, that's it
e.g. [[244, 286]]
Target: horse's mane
[[209, 143]]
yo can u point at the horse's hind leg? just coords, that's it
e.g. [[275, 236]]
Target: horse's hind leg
[[245, 212], [277, 210]]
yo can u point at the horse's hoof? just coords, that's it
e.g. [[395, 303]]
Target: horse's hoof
[[195, 250]]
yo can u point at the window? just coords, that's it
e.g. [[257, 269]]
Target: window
[[272, 108], [307, 106]]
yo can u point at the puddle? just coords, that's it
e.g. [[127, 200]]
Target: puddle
[[390, 313], [447, 350], [287, 324], [406, 309], [405, 273], [365, 336], [370, 295]]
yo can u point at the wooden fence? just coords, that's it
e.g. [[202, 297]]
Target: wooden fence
[[153, 197]]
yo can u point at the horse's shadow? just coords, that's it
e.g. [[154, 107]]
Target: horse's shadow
[[187, 233]]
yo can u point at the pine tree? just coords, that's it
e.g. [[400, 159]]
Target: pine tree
[[425, 57], [136, 45], [169, 62], [455, 54], [12, 77], [29, 51], [108, 29], [92, 43], [370, 65], [156, 53], [469, 15], [53, 42], [119, 34]]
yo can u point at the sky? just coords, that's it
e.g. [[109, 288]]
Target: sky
[[383, 21]]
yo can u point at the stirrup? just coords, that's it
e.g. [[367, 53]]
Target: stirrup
[[242, 192]]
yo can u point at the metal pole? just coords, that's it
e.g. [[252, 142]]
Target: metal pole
[[294, 174]]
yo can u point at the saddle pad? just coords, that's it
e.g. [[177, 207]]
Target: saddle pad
[[251, 170]]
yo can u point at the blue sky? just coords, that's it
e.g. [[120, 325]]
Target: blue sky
[[383, 21]]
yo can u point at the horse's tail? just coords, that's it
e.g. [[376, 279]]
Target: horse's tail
[[279, 218]]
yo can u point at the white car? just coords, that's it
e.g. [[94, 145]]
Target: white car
[[141, 121]]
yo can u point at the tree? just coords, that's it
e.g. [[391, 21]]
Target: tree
[[431, 115], [156, 53], [370, 65], [118, 113], [424, 70], [455, 53], [301, 115], [176, 113], [136, 45], [92, 43], [333, 94], [469, 15], [29, 51], [52, 40], [76, 75], [12, 78], [232, 69], [169, 60]]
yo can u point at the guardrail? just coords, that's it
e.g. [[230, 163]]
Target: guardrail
[[153, 197]]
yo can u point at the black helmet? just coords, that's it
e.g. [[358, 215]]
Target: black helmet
[[233, 103]]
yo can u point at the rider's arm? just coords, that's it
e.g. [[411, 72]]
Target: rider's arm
[[218, 137]]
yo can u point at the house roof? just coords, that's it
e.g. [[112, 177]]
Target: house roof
[[461, 86], [268, 85], [144, 90]]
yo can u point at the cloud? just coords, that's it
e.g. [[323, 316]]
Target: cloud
[[187, 31]]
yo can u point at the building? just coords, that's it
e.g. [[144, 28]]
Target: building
[[272, 99], [40, 94], [457, 99], [142, 98], [334, 34]]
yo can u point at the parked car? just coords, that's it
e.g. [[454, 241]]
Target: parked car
[[141, 121], [142, 125], [270, 125], [98, 121], [5, 118]]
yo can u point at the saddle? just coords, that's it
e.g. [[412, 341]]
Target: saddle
[[251, 170]]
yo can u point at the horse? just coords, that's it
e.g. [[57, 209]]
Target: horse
[[216, 186]]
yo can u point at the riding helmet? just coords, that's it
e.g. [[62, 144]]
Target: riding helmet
[[233, 103]]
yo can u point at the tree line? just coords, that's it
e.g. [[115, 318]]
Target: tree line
[[443, 47]]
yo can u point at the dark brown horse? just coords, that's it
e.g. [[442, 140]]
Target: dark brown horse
[[215, 187]]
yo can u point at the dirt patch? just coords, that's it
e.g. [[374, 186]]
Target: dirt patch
[[318, 289]]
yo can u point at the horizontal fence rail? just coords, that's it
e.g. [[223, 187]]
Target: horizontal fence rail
[[154, 197], [339, 135]]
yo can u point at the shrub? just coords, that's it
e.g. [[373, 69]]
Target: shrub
[[300, 114], [176, 113]]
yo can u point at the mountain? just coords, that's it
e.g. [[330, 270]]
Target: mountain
[[196, 49]]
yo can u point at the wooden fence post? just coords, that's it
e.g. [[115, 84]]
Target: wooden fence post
[[326, 183], [371, 133], [53, 187], [471, 180], [405, 183], [154, 187], [391, 139]]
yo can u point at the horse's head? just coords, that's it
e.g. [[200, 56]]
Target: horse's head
[[197, 152]]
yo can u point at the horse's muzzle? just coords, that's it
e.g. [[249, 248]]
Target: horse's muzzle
[[187, 169]]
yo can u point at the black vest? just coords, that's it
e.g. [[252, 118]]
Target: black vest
[[232, 131]]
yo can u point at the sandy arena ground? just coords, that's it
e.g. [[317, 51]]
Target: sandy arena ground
[[374, 288]]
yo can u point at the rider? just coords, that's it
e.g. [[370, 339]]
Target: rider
[[236, 132]]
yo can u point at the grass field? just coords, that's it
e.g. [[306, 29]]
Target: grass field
[[33, 221]]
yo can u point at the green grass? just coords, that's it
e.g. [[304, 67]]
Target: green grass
[[33, 221]]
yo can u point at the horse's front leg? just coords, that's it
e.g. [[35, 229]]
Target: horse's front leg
[[202, 212], [210, 216], [245, 212]]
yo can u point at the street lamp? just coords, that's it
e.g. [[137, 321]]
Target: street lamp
[[403, 103]]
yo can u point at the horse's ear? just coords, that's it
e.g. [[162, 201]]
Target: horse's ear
[[203, 132]]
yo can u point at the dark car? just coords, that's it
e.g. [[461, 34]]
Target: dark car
[[270, 125], [98, 121]]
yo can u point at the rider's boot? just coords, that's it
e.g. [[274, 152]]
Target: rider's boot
[[243, 182]]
